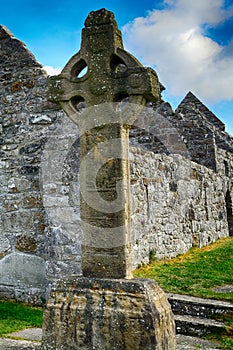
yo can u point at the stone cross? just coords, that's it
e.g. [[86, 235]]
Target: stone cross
[[101, 89]]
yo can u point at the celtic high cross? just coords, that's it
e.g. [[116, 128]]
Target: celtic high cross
[[102, 89]]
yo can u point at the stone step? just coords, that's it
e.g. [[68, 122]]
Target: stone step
[[198, 307], [198, 327], [186, 342]]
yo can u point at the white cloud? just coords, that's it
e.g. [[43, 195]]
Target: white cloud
[[52, 70], [173, 41]]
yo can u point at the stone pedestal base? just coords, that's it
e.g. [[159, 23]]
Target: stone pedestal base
[[108, 314]]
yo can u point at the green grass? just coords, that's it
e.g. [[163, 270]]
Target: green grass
[[16, 316], [195, 273], [227, 343]]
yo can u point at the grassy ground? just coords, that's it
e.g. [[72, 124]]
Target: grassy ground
[[16, 316], [197, 272]]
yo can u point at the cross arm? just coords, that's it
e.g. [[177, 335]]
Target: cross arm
[[137, 81]]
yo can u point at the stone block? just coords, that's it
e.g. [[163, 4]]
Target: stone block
[[26, 243], [106, 314], [5, 244], [20, 269]]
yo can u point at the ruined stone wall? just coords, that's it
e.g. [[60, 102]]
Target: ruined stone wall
[[31, 247], [225, 166], [176, 202], [197, 133], [182, 180], [203, 133]]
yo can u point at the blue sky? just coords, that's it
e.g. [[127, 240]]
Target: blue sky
[[189, 43]]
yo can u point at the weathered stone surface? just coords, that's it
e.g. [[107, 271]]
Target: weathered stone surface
[[199, 307], [194, 343], [101, 52], [199, 317], [22, 277], [25, 244], [10, 344], [89, 313], [22, 269], [27, 123], [170, 221], [5, 33], [195, 327]]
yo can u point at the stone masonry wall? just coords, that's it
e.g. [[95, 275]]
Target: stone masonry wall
[[176, 204], [32, 248], [178, 199]]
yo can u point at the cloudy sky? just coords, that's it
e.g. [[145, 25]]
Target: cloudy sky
[[189, 43]]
